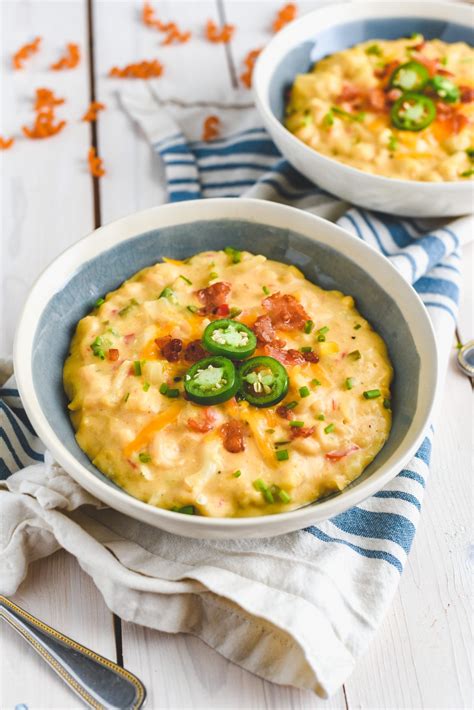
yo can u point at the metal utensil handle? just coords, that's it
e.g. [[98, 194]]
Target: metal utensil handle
[[96, 680]]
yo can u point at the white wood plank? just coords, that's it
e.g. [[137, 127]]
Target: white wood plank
[[422, 654], [466, 309], [46, 199], [59, 593]]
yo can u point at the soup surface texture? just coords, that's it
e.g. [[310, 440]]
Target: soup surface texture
[[302, 421], [399, 108]]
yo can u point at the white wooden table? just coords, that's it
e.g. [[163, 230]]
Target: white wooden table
[[422, 654]]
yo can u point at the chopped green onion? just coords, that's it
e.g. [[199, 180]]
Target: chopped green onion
[[291, 405], [126, 396], [213, 275], [97, 347], [374, 49], [283, 496], [468, 173], [234, 312], [328, 119], [126, 309], [329, 428], [355, 355], [163, 388], [321, 338], [323, 330], [265, 290], [357, 326], [282, 455], [282, 443], [308, 326], [315, 382], [237, 474], [349, 383], [321, 417], [295, 422], [167, 293], [99, 302], [387, 404], [372, 394], [172, 393], [351, 116], [185, 278], [304, 391], [144, 458], [137, 368], [192, 309], [470, 153], [236, 256], [306, 349], [269, 431], [186, 510], [392, 143], [146, 386]]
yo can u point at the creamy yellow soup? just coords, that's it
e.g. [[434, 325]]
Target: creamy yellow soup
[[343, 109], [173, 453]]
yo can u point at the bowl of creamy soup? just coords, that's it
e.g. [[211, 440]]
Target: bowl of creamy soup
[[226, 367], [376, 104]]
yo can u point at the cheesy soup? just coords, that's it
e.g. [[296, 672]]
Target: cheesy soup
[[228, 385], [399, 108]]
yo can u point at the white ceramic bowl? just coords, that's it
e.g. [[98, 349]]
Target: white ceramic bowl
[[327, 254], [332, 28]]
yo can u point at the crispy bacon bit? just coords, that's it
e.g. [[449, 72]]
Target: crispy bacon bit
[[352, 95], [285, 15], [286, 357], [170, 347], [249, 61], [302, 432], [6, 143], [194, 351], [386, 71], [91, 113], [454, 120], [214, 34], [337, 455], [376, 100], [431, 64], [264, 330], [96, 167], [311, 357], [204, 423], [44, 126], [285, 312], [45, 100], [113, 354], [140, 70], [393, 95], [444, 72], [222, 311], [467, 94], [129, 338], [284, 412], [25, 52], [210, 128], [213, 297], [418, 47], [233, 435]]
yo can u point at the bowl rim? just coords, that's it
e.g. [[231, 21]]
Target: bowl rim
[[289, 37], [255, 211]]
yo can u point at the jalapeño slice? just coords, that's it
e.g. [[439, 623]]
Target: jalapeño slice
[[230, 338], [211, 381], [445, 89], [263, 381], [411, 76], [412, 112]]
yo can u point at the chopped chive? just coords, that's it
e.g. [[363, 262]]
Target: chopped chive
[[112, 331], [470, 153], [392, 143], [321, 338], [97, 347], [269, 431], [126, 396], [282, 455], [237, 474], [99, 302], [321, 417], [172, 393], [374, 49], [291, 405], [268, 495], [192, 309], [259, 485], [357, 326], [126, 309], [146, 386], [283, 496], [372, 394], [306, 349], [323, 330], [213, 275], [468, 173], [315, 382], [234, 312], [304, 391], [282, 443], [328, 119], [168, 293], [185, 279], [144, 458], [235, 254], [295, 422], [329, 428], [308, 326], [355, 355], [137, 368], [265, 290], [387, 404], [349, 383], [186, 510], [163, 388]]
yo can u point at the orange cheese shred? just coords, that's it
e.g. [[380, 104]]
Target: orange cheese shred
[[25, 52], [219, 35], [139, 70], [210, 128], [6, 143], [91, 113], [96, 168], [249, 61], [156, 424], [46, 100], [69, 60], [284, 16], [44, 126]]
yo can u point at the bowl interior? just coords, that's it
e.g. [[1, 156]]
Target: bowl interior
[[300, 59], [320, 263]]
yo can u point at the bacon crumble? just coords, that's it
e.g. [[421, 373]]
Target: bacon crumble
[[233, 436]]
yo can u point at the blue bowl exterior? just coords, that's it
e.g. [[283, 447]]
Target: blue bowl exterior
[[300, 59], [320, 263]]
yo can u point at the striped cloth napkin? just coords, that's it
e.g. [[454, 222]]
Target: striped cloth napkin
[[297, 609]]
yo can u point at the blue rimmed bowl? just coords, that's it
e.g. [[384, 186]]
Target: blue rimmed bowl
[[333, 28], [327, 255]]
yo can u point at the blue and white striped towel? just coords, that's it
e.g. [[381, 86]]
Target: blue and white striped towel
[[298, 609]]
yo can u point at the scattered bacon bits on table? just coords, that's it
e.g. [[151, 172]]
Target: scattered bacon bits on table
[[284, 16], [91, 113], [46, 100], [140, 70], [25, 52], [223, 35], [96, 168], [210, 128], [249, 61], [6, 143], [70, 60]]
